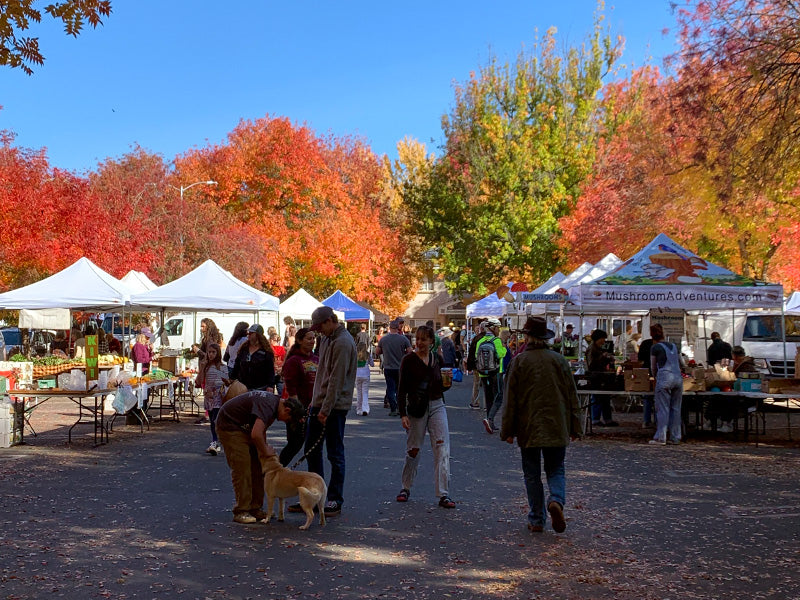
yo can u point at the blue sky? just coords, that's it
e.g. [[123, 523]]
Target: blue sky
[[177, 74]]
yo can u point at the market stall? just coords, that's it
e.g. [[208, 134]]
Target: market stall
[[350, 308], [667, 280]]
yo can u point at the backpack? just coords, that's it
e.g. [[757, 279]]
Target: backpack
[[487, 362]]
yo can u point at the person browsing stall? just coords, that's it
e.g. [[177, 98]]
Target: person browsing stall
[[600, 361], [665, 364], [255, 362]]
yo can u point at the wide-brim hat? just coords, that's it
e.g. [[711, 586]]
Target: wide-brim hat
[[537, 327]]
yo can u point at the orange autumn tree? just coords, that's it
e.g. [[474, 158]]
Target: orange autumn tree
[[47, 217], [310, 205]]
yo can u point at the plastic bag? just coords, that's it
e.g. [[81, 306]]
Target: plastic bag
[[124, 400], [458, 375]]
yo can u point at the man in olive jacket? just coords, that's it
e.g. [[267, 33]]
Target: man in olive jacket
[[542, 412]]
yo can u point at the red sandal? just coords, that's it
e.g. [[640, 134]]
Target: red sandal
[[446, 502], [403, 495]]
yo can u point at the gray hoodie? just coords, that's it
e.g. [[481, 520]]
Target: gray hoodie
[[336, 374]]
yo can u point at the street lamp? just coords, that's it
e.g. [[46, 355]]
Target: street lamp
[[182, 189]]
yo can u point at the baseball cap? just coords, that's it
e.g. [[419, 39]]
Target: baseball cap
[[319, 316], [492, 323], [255, 328]]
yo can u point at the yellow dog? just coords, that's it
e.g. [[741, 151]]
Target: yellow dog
[[281, 483]]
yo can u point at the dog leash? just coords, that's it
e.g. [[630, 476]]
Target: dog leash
[[313, 447]]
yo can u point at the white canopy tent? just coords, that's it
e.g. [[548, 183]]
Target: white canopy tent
[[299, 306], [209, 287], [491, 306], [138, 282], [81, 286]]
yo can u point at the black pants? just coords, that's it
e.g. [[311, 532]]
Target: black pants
[[295, 438]]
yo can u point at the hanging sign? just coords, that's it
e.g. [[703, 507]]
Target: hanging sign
[[560, 295], [671, 320]]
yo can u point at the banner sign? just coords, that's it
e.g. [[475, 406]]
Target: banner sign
[[687, 297], [92, 369]]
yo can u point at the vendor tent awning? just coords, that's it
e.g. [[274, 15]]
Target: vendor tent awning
[[351, 309], [793, 304], [492, 305], [138, 282], [609, 263], [666, 275], [554, 281], [300, 305], [208, 287], [81, 286]]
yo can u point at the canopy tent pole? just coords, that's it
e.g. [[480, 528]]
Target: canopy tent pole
[[783, 339]]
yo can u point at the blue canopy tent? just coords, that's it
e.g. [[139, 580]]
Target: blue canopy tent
[[351, 309]]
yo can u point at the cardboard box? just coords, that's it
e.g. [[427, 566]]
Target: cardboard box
[[632, 364], [694, 385], [168, 363], [637, 380], [780, 386]]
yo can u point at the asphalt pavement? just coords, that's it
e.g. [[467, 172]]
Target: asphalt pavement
[[148, 516]]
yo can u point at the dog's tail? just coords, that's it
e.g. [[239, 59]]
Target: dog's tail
[[321, 504]]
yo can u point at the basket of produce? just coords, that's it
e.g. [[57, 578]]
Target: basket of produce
[[53, 365]]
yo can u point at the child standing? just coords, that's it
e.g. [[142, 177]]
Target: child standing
[[364, 362], [212, 375]]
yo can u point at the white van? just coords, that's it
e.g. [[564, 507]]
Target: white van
[[181, 331], [759, 333]]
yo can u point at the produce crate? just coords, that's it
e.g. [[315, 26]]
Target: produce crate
[[47, 383]]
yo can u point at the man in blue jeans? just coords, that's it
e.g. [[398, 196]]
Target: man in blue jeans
[[332, 398], [543, 414], [392, 347]]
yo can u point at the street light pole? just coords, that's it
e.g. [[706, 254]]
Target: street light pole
[[182, 189]]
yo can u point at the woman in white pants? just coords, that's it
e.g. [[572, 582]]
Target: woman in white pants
[[420, 401], [364, 362]]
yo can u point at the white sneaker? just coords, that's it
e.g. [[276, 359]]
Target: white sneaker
[[218, 447], [657, 442], [212, 449]]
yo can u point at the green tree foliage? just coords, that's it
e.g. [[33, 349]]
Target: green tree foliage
[[16, 17], [520, 139]]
